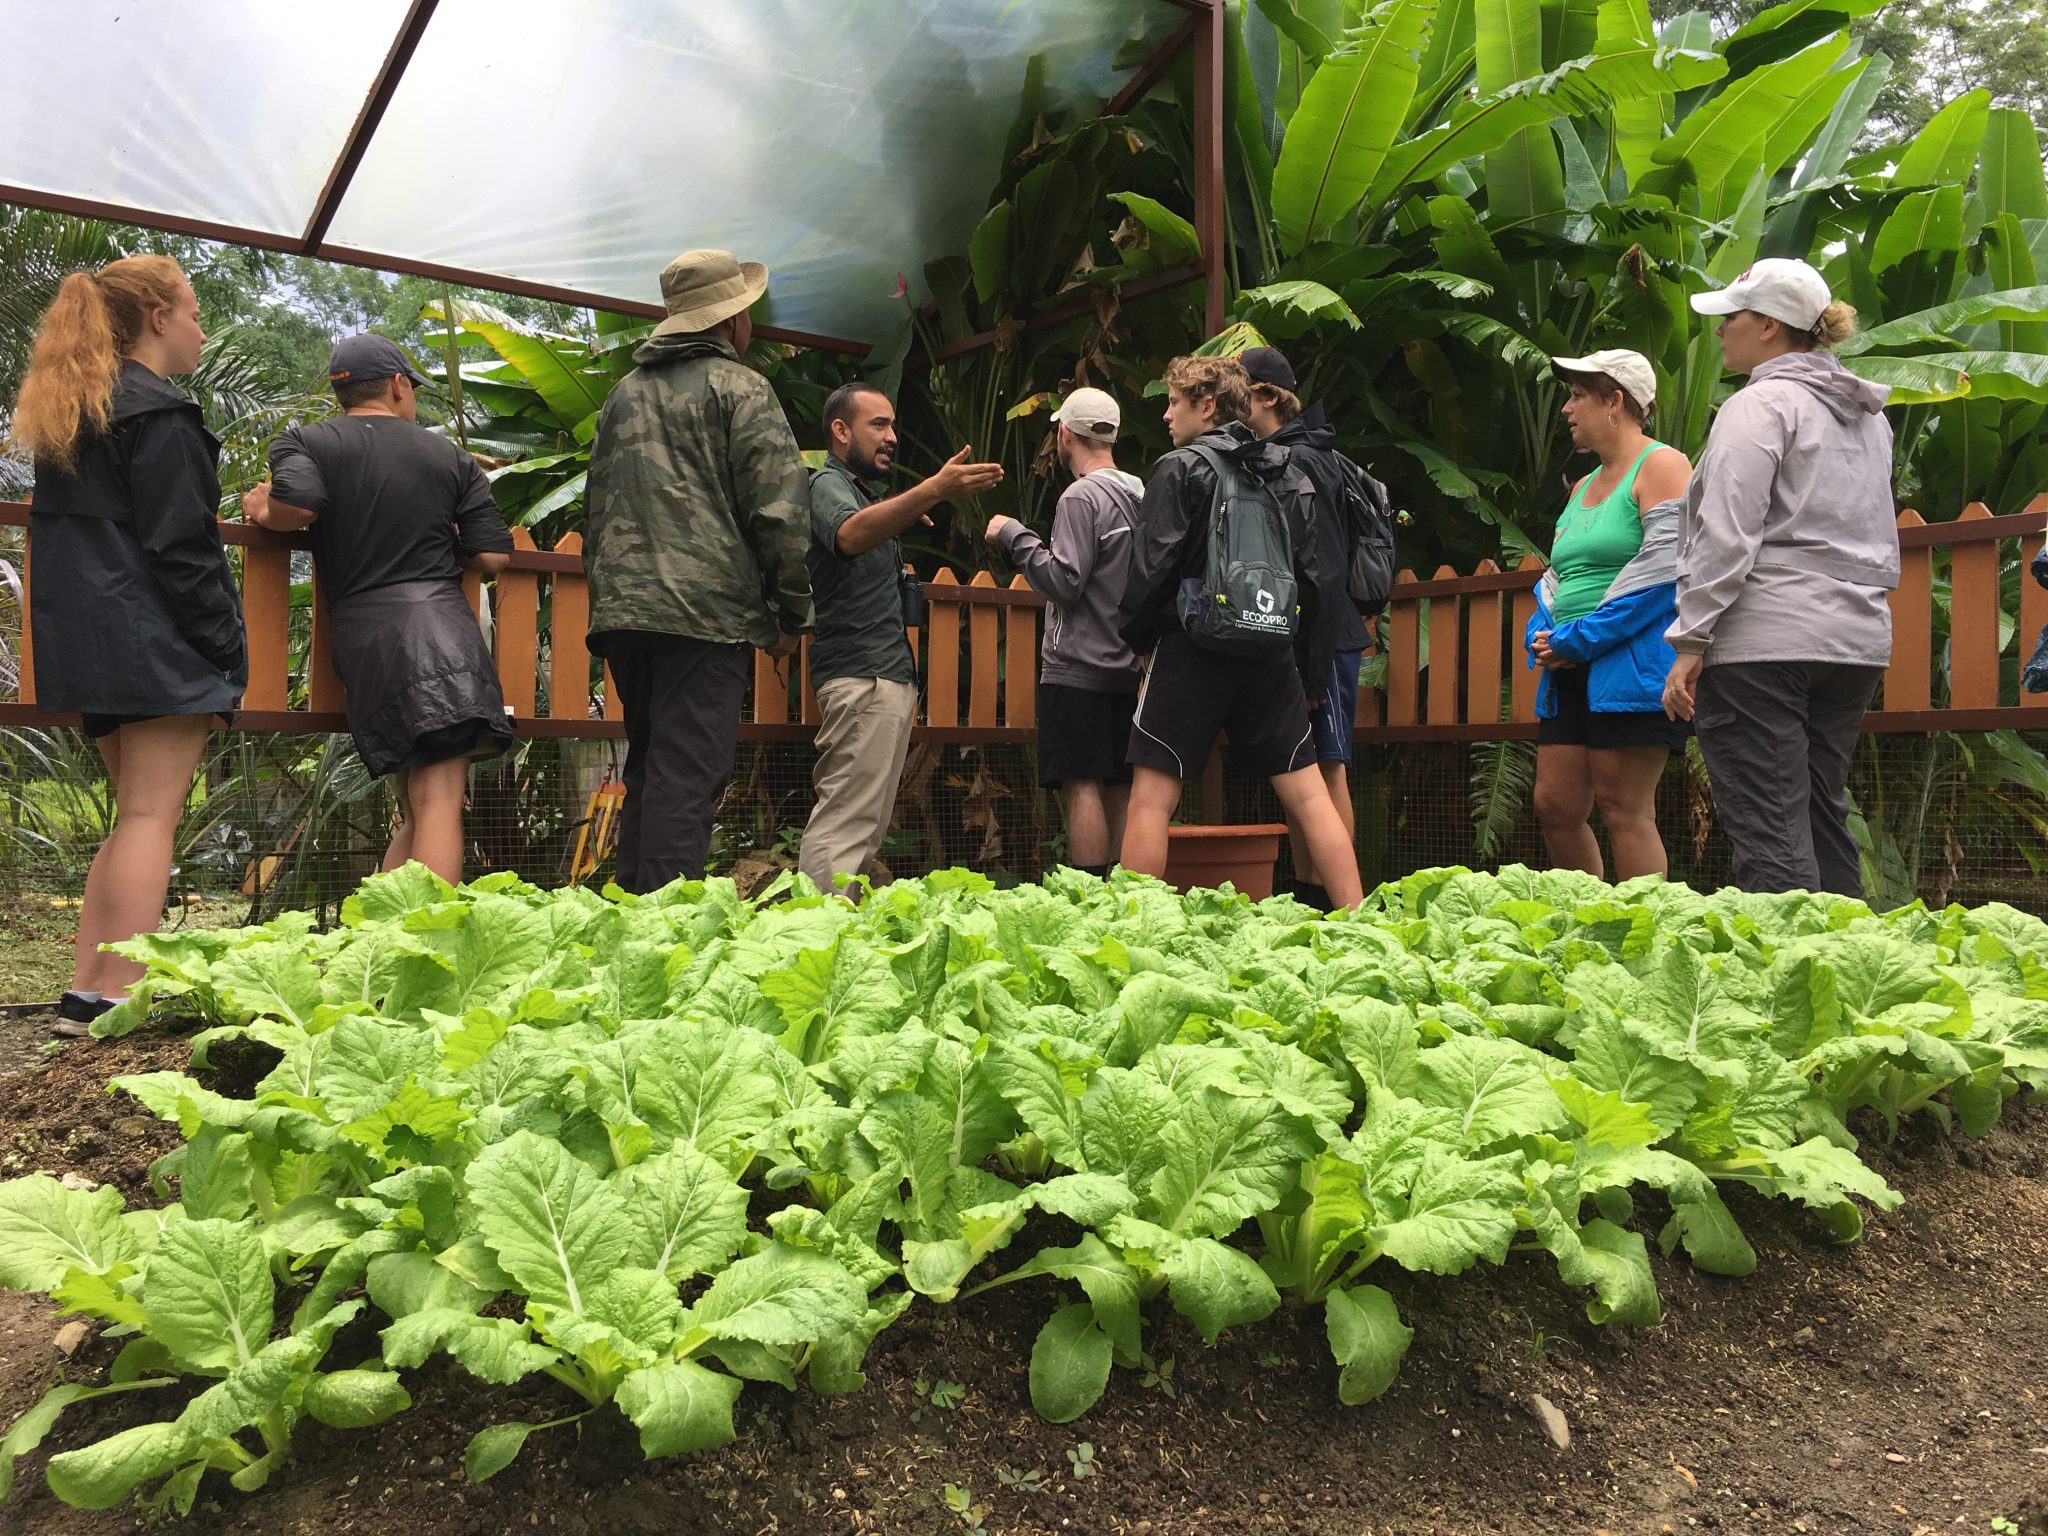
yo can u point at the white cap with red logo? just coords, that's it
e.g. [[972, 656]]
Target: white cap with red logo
[[1777, 286]]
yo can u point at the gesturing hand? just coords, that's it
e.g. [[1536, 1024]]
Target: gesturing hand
[[958, 478]]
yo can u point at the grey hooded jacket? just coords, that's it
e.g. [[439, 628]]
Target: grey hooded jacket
[[1081, 576], [1787, 543]]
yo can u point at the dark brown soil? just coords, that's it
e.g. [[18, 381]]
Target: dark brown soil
[[1897, 1386]]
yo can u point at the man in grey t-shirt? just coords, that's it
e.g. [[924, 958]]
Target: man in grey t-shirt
[[1088, 678], [861, 664]]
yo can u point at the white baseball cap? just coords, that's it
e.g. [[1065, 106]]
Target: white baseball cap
[[1631, 370], [1090, 413], [1777, 286]]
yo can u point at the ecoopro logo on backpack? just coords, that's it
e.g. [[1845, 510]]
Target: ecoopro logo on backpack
[[1267, 616]]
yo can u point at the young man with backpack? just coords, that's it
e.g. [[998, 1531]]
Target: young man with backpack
[[1223, 596], [1355, 547], [1088, 678]]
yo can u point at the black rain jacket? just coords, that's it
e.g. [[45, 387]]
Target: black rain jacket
[[1170, 541], [1312, 448], [134, 611]]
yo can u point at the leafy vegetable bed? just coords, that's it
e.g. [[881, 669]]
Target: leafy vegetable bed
[[654, 1147]]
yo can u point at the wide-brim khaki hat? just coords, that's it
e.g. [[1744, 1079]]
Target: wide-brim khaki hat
[[701, 288]]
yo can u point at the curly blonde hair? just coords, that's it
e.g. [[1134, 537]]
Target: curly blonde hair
[[1221, 379]]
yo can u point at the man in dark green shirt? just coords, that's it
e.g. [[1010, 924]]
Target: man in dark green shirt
[[861, 666]]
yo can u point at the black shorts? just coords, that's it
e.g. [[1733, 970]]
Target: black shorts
[[1190, 694], [97, 726], [1577, 724], [1083, 734]]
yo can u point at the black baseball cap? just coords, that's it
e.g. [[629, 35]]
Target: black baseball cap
[[356, 359], [1265, 365]]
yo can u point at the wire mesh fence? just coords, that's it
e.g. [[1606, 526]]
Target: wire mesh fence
[[284, 821]]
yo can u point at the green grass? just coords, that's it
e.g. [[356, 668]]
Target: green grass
[[35, 963]]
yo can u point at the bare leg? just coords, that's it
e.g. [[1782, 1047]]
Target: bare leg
[[399, 853], [1338, 780], [1116, 807], [433, 823], [1154, 797], [151, 763], [1564, 799], [1087, 822], [1306, 799], [1625, 788]]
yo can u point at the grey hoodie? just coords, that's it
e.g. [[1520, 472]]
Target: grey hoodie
[[1081, 576], [1787, 543]]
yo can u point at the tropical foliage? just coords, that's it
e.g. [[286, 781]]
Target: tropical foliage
[[1431, 197], [656, 1148]]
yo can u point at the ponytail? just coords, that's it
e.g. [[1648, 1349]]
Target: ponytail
[[1836, 325], [95, 320]]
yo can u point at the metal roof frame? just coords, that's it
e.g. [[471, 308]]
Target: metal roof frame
[[1203, 32]]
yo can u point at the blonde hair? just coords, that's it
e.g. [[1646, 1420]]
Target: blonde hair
[[95, 320], [1221, 379], [1285, 404], [1836, 325]]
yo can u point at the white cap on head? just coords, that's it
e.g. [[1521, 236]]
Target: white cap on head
[[1090, 413], [1631, 370], [1786, 290]]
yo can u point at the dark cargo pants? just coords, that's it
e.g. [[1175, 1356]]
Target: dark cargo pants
[[681, 699], [1777, 737]]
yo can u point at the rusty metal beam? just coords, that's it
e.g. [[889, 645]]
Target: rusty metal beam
[[1209, 163], [353, 148], [348, 255], [1154, 69]]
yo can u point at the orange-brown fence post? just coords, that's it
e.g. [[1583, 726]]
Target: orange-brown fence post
[[517, 631], [1446, 610], [324, 693], [1404, 642], [942, 672], [1483, 651], [1020, 662], [568, 643], [1908, 680], [984, 655], [1521, 676], [267, 618], [771, 690], [1973, 616]]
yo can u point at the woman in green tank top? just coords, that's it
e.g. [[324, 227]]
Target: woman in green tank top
[[1607, 756]]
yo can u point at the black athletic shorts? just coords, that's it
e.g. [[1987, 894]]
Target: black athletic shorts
[[97, 726], [1190, 694], [1577, 724], [1083, 734]]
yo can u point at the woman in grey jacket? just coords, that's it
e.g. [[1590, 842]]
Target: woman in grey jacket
[[1787, 547]]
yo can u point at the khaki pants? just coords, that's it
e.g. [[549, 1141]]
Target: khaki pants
[[862, 742]]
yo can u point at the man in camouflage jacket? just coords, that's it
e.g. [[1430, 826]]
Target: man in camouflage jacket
[[698, 523]]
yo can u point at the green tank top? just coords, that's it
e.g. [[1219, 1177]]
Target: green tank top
[[1594, 543]]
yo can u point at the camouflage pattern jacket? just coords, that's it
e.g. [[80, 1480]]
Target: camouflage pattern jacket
[[699, 504]]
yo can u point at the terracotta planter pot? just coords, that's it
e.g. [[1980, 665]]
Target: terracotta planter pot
[[1208, 856]]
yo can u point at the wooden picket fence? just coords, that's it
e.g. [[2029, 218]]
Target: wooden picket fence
[[977, 654]]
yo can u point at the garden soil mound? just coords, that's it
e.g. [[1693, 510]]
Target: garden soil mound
[[1899, 1385]]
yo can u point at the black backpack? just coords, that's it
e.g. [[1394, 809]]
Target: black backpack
[[1369, 522], [1245, 603]]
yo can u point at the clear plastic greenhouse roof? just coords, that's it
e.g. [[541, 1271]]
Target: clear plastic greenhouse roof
[[577, 144]]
